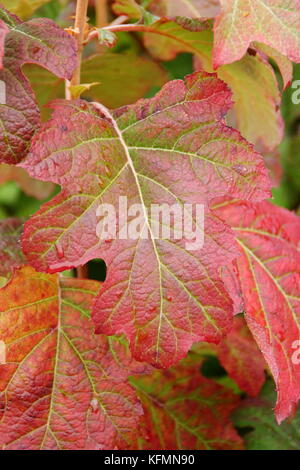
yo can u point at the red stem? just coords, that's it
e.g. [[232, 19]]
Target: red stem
[[114, 28]]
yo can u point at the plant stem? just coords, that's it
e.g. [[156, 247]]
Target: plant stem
[[101, 13], [115, 27], [119, 20], [128, 27], [79, 26]]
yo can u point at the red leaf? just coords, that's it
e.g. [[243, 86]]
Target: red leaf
[[142, 154], [184, 410], [41, 42], [275, 23], [240, 356], [62, 387], [269, 271], [251, 79]]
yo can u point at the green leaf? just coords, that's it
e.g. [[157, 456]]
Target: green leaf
[[265, 433], [23, 8], [122, 79]]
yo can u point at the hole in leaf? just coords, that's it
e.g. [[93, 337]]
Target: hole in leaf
[[97, 270], [212, 369]]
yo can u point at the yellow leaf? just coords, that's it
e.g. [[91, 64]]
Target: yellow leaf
[[23, 8], [77, 90]]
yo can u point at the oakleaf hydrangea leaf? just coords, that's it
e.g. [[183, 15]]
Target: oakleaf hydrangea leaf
[[39, 41], [62, 387], [275, 23], [174, 149], [184, 410], [269, 272], [252, 80]]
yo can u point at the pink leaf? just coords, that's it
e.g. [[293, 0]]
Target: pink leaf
[[275, 23]]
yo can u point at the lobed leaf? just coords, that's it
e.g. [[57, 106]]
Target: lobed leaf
[[62, 386], [175, 149], [41, 42], [252, 80], [269, 272], [275, 23], [184, 410], [239, 356]]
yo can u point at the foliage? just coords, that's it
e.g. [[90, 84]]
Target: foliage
[[174, 103], [257, 419]]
